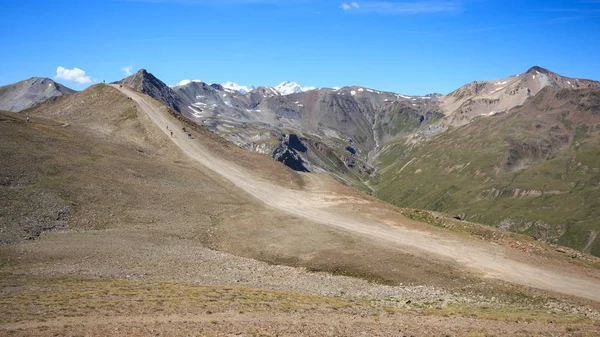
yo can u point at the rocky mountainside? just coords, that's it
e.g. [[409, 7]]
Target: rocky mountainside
[[484, 98], [335, 128], [147, 83], [499, 152], [25, 94]]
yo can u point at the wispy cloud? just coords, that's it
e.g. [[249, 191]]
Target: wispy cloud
[[127, 70], [350, 6], [402, 8], [72, 75]]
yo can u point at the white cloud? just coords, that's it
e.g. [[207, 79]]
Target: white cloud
[[185, 82], [403, 7], [350, 6], [127, 70], [72, 75]]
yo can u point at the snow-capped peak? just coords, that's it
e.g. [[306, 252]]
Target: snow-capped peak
[[240, 88], [288, 87]]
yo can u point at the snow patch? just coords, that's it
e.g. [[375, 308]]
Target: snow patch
[[361, 89], [501, 83], [196, 112], [353, 93]]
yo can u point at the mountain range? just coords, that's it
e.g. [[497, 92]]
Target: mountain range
[[283, 88], [519, 153]]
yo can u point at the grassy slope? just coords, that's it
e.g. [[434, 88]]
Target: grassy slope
[[535, 170]]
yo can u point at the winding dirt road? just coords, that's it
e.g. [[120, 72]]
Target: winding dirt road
[[316, 204]]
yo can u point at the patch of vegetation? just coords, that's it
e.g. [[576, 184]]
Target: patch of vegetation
[[507, 171], [33, 298], [39, 299]]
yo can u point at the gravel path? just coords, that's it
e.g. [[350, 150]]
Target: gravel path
[[316, 204]]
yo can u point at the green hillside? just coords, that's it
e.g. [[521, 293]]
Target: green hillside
[[534, 170]]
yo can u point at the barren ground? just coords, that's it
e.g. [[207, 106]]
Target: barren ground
[[178, 236]]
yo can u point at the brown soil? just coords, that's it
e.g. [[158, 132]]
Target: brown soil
[[137, 208]]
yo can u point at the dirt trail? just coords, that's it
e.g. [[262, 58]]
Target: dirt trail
[[316, 204]]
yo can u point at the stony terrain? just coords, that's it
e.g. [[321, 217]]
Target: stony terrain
[[155, 242]]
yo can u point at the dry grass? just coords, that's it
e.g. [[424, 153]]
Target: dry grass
[[41, 299]]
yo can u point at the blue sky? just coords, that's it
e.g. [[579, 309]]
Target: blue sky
[[409, 47]]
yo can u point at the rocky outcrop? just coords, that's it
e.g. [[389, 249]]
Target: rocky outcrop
[[289, 157], [148, 84]]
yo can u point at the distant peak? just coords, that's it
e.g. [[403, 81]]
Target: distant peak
[[40, 78], [236, 87], [537, 69], [142, 72], [290, 87]]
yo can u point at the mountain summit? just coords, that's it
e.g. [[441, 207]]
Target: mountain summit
[[486, 98], [147, 83], [236, 87], [25, 94], [288, 87]]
